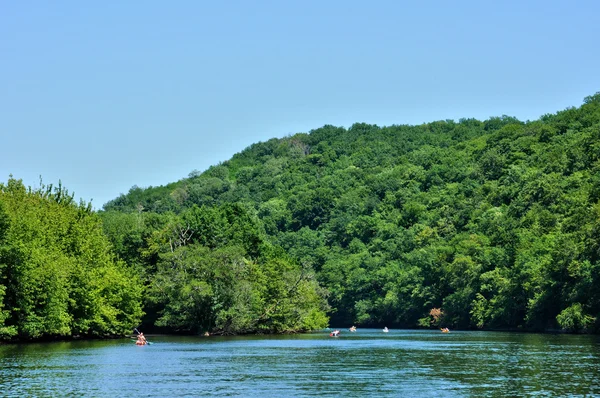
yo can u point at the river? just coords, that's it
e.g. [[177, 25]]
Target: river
[[401, 363]]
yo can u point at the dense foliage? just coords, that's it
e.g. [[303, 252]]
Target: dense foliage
[[57, 275], [489, 224], [210, 269]]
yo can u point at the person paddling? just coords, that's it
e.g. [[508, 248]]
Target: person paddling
[[141, 339]]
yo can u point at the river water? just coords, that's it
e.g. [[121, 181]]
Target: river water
[[401, 363]]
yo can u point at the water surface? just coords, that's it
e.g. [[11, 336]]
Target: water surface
[[365, 363]]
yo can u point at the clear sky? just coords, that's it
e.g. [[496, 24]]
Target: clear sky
[[104, 95]]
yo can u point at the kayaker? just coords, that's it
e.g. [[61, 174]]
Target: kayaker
[[141, 339]]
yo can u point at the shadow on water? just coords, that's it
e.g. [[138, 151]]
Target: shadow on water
[[365, 363]]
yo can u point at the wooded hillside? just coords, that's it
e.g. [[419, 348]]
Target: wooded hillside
[[468, 224], [494, 222]]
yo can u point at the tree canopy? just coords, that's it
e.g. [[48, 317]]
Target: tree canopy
[[58, 276], [492, 223], [467, 224]]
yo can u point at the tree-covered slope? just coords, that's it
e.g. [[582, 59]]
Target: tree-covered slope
[[496, 223]]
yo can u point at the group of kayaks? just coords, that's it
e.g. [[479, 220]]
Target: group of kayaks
[[336, 332], [141, 339]]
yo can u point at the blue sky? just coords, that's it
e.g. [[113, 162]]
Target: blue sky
[[104, 95]]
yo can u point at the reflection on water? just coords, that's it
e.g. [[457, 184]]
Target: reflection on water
[[365, 363]]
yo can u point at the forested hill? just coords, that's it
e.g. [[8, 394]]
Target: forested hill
[[468, 224]]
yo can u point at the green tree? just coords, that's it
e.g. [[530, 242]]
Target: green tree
[[58, 274]]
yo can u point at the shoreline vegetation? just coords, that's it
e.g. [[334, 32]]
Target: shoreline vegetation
[[488, 225]]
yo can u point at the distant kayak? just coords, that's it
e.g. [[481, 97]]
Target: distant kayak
[[139, 342], [141, 339]]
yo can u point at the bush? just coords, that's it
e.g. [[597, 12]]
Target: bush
[[573, 319]]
